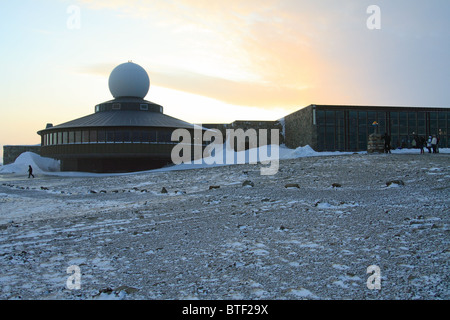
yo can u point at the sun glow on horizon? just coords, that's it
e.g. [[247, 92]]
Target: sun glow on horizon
[[217, 62]]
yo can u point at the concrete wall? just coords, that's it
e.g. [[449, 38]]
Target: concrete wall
[[10, 153], [299, 129]]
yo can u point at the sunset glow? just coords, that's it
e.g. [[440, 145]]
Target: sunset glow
[[218, 61]]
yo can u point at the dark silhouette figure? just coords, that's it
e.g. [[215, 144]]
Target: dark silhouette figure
[[30, 172], [422, 144]]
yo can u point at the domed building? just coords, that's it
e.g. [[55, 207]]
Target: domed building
[[125, 134]]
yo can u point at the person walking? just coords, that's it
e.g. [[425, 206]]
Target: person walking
[[30, 172]]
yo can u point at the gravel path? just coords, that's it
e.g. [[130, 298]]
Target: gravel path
[[210, 237]]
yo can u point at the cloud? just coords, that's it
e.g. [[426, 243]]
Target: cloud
[[229, 91], [284, 53]]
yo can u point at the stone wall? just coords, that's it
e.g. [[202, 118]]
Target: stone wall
[[300, 130], [10, 153], [245, 125]]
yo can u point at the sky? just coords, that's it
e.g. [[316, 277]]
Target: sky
[[212, 61]]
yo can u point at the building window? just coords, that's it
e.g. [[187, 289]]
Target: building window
[[85, 136], [97, 108], [329, 138], [116, 106], [394, 123], [144, 107], [127, 136], [118, 137], [145, 136], [71, 137], [164, 136], [93, 136], [381, 119], [153, 136], [320, 117], [109, 136], [77, 136], [136, 136], [442, 122], [330, 118], [101, 136]]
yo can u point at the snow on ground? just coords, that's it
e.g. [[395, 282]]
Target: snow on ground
[[308, 232], [38, 163]]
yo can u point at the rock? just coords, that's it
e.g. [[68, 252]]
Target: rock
[[163, 190], [292, 185], [336, 185], [248, 183], [214, 187], [127, 289], [106, 290], [44, 188], [92, 191], [399, 182]]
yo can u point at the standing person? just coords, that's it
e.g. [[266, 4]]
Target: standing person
[[415, 141], [434, 143], [438, 139], [429, 144], [387, 143], [30, 172], [422, 144]]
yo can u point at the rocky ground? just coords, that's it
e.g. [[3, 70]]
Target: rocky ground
[[308, 232]]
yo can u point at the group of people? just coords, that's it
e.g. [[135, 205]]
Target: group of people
[[432, 143]]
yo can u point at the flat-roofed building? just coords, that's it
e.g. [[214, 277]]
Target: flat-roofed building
[[347, 128]]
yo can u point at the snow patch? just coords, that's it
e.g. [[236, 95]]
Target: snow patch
[[38, 163]]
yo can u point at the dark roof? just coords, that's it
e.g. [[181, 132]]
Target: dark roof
[[367, 107], [122, 118]]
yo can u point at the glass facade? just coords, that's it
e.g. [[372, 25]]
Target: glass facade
[[341, 129], [108, 136]]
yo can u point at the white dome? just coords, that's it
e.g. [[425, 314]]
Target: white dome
[[129, 80]]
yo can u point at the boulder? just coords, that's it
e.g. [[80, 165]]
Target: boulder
[[248, 183], [398, 182]]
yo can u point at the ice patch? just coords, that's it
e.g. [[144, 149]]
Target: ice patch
[[302, 293]]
